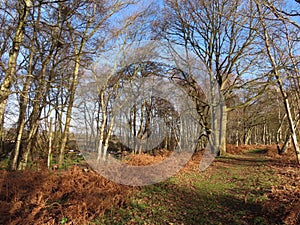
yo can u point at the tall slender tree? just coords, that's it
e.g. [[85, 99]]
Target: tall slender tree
[[22, 11], [280, 44]]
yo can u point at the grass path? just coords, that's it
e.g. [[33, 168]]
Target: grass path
[[233, 190]]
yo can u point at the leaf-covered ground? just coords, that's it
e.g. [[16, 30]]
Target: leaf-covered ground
[[252, 185]]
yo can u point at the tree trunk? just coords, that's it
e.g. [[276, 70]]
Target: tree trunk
[[285, 145], [2, 125], [293, 132], [69, 111], [24, 97], [106, 144], [49, 160], [237, 135], [38, 105], [264, 139], [255, 135], [248, 135], [279, 133], [21, 123], [223, 130], [103, 125], [13, 54], [281, 88], [12, 61], [25, 153]]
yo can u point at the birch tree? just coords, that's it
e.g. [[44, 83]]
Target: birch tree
[[21, 15], [89, 20], [281, 49]]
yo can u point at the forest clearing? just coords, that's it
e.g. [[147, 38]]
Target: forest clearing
[[247, 186], [176, 112]]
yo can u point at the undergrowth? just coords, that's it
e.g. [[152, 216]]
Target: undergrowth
[[247, 186]]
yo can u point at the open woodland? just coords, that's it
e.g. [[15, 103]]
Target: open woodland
[[138, 81]]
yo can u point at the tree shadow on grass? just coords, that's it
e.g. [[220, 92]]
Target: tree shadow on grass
[[243, 161], [256, 159], [168, 203]]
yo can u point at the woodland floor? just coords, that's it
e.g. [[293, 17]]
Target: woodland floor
[[251, 185]]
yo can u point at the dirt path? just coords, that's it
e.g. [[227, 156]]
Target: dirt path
[[237, 189]]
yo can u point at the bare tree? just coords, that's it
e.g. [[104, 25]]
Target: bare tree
[[280, 46], [43, 47], [96, 16], [105, 79], [22, 11], [57, 39], [222, 35]]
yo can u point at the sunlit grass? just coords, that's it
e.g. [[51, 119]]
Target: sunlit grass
[[228, 193]]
